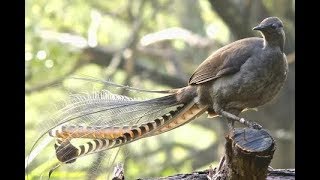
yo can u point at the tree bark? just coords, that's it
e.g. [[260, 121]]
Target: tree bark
[[277, 174], [248, 154]]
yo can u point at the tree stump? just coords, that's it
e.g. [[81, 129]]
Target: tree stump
[[248, 155]]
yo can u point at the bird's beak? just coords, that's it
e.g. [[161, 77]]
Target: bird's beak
[[258, 28]]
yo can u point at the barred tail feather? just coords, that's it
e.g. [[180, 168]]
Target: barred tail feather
[[120, 120], [173, 119]]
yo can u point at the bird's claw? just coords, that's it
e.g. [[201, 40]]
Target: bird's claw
[[255, 125]]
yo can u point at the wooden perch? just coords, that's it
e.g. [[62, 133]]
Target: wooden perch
[[278, 174], [248, 155]]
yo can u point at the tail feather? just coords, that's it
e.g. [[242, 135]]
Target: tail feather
[[105, 109], [66, 152], [109, 83]]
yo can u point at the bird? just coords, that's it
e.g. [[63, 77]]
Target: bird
[[246, 73]]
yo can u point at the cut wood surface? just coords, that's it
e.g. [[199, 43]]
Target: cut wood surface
[[248, 154]]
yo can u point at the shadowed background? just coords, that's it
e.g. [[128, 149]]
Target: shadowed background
[[149, 45]]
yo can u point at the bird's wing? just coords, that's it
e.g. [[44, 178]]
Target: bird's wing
[[226, 60]]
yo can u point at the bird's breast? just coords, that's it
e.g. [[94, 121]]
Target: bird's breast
[[258, 81]]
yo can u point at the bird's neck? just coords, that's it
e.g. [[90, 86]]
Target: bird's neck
[[274, 40]]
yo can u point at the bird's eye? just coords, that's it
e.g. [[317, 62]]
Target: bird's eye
[[274, 26]]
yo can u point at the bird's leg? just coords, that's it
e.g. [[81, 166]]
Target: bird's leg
[[232, 117]]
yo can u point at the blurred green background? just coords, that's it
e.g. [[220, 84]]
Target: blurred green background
[[154, 44]]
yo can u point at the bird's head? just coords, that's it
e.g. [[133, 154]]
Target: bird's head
[[272, 29], [270, 25]]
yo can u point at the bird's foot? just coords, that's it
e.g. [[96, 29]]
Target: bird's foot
[[250, 124], [232, 117], [255, 125]]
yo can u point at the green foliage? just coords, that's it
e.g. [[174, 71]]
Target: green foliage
[[50, 60]]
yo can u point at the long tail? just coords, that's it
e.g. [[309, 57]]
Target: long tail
[[68, 153], [111, 120]]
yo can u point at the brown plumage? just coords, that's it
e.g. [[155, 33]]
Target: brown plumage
[[225, 61], [244, 74]]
